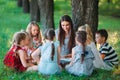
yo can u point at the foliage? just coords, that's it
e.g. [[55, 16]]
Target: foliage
[[111, 8]]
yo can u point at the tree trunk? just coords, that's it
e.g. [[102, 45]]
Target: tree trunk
[[26, 7], [78, 13], [34, 11], [91, 17], [46, 13], [85, 12], [19, 3]]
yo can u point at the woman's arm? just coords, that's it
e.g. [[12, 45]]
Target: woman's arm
[[58, 56], [59, 52], [23, 56], [72, 57], [66, 56]]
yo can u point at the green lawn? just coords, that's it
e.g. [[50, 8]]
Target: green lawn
[[12, 19]]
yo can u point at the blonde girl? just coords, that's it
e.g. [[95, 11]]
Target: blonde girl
[[36, 38]]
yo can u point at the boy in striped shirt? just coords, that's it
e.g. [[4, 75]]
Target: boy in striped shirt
[[107, 53]]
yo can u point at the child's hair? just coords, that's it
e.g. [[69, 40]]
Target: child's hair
[[86, 28], [61, 35], [50, 34], [103, 33], [29, 27], [19, 36], [45, 34], [81, 37]]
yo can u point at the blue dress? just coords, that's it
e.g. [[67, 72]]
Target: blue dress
[[78, 68], [46, 65], [64, 49]]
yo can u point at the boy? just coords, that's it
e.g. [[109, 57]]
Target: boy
[[107, 53]]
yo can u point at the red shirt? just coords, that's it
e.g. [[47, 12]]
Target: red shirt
[[12, 60]]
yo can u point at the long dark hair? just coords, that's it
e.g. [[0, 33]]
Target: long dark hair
[[50, 34], [61, 35], [81, 37]]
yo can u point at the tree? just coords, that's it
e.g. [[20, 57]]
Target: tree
[[26, 7], [19, 3], [78, 10], [85, 12], [34, 11], [91, 17], [46, 13]]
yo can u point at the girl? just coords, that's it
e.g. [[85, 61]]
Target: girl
[[49, 61], [36, 39], [16, 58], [82, 57], [65, 37], [98, 63]]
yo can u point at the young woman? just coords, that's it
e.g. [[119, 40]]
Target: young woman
[[66, 37]]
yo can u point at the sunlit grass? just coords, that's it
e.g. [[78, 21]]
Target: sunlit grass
[[113, 37]]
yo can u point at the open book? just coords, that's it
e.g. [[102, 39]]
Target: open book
[[65, 59]]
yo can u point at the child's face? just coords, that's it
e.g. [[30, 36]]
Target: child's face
[[99, 39], [65, 26], [34, 31], [27, 41]]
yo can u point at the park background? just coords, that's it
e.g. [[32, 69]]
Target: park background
[[13, 19]]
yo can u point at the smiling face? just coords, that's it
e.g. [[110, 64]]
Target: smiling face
[[34, 31], [65, 26], [99, 39]]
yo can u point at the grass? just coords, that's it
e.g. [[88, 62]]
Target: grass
[[12, 19]]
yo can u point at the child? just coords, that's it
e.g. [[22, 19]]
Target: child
[[16, 58], [107, 53], [66, 37], [98, 62], [82, 57], [36, 39], [49, 61]]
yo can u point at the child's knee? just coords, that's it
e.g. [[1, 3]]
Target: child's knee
[[33, 55]]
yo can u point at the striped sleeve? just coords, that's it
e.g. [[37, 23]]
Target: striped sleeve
[[104, 50]]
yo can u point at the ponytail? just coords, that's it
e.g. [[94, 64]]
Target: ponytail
[[81, 37], [50, 34], [52, 53], [83, 53]]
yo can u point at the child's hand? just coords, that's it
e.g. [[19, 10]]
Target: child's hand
[[67, 56]]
